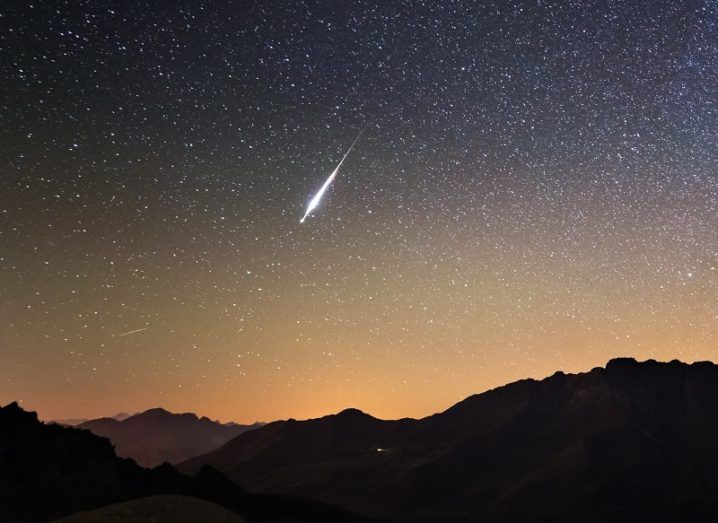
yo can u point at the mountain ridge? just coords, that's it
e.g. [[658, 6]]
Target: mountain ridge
[[157, 435], [502, 453]]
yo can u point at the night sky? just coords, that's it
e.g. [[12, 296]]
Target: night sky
[[536, 189]]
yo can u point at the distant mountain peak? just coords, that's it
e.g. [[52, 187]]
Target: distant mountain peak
[[353, 413], [157, 435], [624, 361], [155, 411], [631, 365]]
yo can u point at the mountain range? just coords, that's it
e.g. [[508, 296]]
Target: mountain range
[[628, 442], [50, 471], [156, 435]]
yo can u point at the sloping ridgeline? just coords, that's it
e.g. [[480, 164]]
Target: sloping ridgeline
[[629, 442]]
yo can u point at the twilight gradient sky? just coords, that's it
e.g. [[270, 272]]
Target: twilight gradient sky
[[536, 189]]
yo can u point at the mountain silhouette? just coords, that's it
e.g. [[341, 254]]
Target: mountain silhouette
[[73, 422], [51, 471], [156, 435], [628, 442], [68, 422]]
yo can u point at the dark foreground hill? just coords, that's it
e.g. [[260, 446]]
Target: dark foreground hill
[[631, 442], [50, 471], [157, 509], [155, 436]]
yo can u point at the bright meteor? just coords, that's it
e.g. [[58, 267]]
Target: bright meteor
[[318, 197]]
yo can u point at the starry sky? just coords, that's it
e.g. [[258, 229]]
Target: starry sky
[[536, 189]]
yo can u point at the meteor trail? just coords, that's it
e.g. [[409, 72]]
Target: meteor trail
[[132, 332], [318, 197]]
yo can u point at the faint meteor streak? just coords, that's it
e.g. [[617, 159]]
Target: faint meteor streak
[[318, 197], [132, 332]]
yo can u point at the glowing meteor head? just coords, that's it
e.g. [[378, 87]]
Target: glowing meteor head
[[314, 202]]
